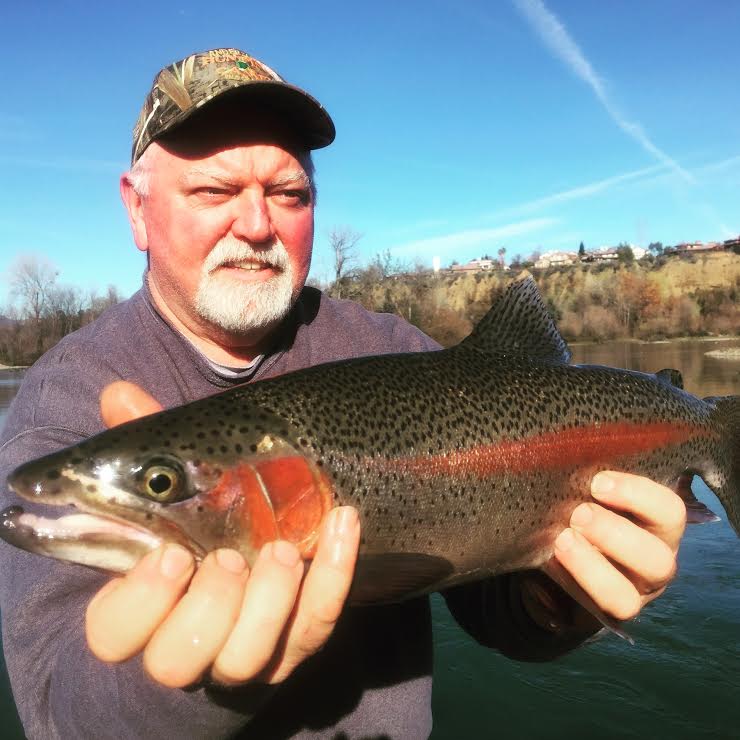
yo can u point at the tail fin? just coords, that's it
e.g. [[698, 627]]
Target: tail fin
[[725, 480]]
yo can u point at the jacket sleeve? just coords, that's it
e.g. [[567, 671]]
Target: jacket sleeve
[[60, 688], [524, 615]]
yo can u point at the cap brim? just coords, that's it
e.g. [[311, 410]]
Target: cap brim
[[303, 115]]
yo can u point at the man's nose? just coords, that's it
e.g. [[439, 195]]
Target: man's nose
[[252, 220]]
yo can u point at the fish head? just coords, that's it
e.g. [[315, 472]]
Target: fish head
[[163, 479]]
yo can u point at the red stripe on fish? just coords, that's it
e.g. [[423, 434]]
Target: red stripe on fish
[[567, 448]]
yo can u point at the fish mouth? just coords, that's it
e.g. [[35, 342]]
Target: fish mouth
[[87, 539]]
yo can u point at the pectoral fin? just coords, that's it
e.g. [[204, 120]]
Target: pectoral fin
[[396, 576]]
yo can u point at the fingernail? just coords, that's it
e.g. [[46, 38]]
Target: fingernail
[[565, 540], [343, 520], [581, 516], [175, 561], [231, 560], [285, 553], [602, 484]]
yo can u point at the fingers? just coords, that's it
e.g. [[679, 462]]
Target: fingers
[[662, 512], [188, 641], [123, 401], [612, 591], [323, 593], [239, 624], [623, 559], [648, 561], [267, 604], [124, 614]]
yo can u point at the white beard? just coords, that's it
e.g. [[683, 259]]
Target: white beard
[[238, 308]]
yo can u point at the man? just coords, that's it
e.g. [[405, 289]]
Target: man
[[220, 197]]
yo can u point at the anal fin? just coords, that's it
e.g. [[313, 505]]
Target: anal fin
[[696, 511]]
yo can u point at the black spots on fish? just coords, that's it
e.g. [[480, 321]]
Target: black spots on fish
[[224, 449], [200, 508], [196, 463], [210, 450], [201, 435], [238, 449], [215, 433], [149, 516]]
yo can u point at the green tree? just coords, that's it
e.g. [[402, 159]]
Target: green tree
[[625, 254], [581, 250]]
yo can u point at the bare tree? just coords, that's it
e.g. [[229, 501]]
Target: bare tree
[[342, 241], [32, 281], [66, 306]]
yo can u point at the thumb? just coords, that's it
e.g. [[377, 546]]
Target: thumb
[[122, 401]]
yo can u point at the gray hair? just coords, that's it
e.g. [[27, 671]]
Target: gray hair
[[140, 175]]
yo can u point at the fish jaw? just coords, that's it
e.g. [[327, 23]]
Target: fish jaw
[[98, 542]]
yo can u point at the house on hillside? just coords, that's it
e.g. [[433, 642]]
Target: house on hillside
[[556, 259], [686, 247], [603, 254], [731, 243], [475, 266]]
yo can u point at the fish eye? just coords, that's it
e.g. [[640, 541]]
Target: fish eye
[[161, 483]]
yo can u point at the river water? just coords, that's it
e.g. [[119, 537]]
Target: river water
[[681, 679]]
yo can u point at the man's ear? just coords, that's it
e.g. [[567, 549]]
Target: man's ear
[[135, 208]]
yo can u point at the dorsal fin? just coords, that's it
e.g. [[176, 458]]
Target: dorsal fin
[[671, 377], [519, 323]]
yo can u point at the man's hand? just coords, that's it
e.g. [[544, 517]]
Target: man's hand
[[223, 619], [622, 550]]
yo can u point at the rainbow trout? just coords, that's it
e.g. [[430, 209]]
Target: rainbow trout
[[463, 463]]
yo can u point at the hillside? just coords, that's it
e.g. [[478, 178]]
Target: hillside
[[674, 296]]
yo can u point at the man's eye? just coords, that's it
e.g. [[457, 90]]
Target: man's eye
[[294, 196]]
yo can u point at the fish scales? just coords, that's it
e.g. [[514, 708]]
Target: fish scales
[[463, 463]]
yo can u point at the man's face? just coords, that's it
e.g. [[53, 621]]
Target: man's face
[[229, 231]]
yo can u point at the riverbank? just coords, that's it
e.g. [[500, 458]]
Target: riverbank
[[731, 353], [634, 340]]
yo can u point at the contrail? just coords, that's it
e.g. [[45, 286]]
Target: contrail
[[583, 191], [556, 37]]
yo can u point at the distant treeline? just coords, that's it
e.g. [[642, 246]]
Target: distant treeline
[[43, 311], [657, 299], [643, 300]]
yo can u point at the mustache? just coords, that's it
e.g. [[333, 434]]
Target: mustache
[[230, 250]]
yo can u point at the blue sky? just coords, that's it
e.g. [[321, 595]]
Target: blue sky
[[462, 126]]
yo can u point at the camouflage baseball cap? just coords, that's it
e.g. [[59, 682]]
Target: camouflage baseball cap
[[187, 86]]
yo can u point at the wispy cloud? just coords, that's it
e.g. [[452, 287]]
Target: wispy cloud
[[556, 37], [722, 166], [65, 163], [582, 191], [460, 241]]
